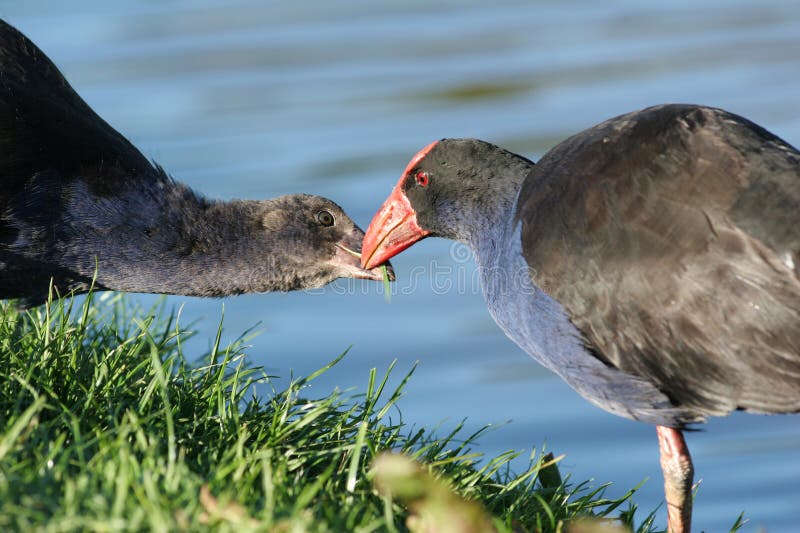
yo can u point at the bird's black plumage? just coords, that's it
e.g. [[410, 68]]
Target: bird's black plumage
[[45, 127], [678, 255], [79, 202]]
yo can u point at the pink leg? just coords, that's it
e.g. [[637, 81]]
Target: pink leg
[[676, 463]]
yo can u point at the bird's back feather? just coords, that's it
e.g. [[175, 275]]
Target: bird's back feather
[[46, 127], [678, 257]]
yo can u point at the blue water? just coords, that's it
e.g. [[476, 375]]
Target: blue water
[[257, 99]]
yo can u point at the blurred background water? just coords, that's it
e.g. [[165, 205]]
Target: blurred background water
[[255, 99]]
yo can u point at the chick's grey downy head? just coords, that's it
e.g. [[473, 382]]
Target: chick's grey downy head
[[313, 242]]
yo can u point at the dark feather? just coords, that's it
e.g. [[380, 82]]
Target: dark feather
[[45, 127], [672, 238]]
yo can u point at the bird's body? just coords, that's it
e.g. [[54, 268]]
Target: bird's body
[[652, 261], [676, 310], [550, 337], [79, 204], [679, 258]]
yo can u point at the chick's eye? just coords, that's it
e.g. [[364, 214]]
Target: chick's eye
[[422, 178], [325, 218]]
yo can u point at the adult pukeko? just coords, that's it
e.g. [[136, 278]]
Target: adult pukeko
[[651, 261], [79, 202]]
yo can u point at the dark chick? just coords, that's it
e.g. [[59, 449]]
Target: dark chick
[[652, 261], [79, 202]]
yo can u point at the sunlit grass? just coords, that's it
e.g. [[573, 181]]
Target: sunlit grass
[[105, 426]]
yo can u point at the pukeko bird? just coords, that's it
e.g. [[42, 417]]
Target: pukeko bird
[[651, 261], [79, 203]]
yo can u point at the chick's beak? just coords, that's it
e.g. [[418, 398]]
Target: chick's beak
[[348, 259], [393, 229]]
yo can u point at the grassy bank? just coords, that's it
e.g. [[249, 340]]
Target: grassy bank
[[105, 425]]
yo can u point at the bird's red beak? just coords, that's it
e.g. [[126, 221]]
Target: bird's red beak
[[393, 229]]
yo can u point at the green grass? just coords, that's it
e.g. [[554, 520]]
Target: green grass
[[106, 426]]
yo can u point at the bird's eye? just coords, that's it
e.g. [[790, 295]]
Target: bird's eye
[[422, 178], [325, 218]]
